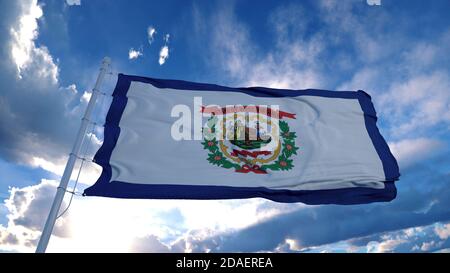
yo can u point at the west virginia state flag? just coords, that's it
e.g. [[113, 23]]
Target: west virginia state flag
[[169, 139]]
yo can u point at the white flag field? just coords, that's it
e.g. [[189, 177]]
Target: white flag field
[[170, 139]]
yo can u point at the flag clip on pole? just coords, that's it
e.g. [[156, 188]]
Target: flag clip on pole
[[61, 190]]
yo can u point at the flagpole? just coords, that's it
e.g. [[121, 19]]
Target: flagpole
[[61, 190]]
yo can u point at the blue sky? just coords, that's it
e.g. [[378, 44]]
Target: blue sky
[[395, 50]]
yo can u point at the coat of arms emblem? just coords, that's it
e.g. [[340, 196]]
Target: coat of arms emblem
[[249, 139]]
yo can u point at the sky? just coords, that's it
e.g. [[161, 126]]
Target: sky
[[396, 50]]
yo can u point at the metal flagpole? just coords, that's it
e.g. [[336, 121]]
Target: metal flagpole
[[61, 190]]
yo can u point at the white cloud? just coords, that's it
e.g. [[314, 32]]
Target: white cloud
[[89, 172], [410, 232], [28, 208], [388, 245], [25, 53], [47, 165], [134, 54], [422, 55], [291, 245], [35, 110], [150, 244], [407, 91], [354, 31], [443, 231], [409, 151], [151, 32], [420, 102], [163, 54], [230, 45], [24, 36], [445, 250], [374, 2], [135, 225], [86, 96], [73, 2], [364, 79], [95, 140], [292, 64], [427, 246], [166, 38], [415, 239]]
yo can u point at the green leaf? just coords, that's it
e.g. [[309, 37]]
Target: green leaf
[[288, 135], [273, 167], [228, 165], [289, 141], [205, 144], [214, 148], [212, 160], [289, 152], [284, 127]]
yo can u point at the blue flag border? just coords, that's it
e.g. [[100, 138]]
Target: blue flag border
[[345, 196]]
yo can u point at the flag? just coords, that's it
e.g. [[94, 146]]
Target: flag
[[171, 139]]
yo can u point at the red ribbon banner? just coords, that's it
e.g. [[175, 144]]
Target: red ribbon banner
[[255, 168], [218, 111]]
